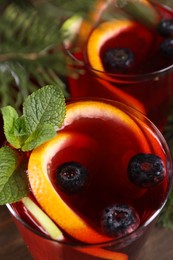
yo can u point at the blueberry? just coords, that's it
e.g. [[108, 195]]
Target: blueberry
[[146, 170], [165, 28], [166, 47], [71, 177], [117, 60], [119, 220]]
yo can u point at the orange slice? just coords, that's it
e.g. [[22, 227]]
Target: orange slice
[[116, 31], [38, 167]]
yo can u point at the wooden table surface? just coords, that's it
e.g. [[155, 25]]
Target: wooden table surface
[[159, 245]]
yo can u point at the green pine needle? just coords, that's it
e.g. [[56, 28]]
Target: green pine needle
[[30, 54]]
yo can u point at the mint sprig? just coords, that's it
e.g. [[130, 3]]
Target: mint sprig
[[43, 114]]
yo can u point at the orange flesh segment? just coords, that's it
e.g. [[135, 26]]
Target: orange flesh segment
[[38, 174]]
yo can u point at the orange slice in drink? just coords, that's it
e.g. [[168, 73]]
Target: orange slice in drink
[[75, 141], [115, 34], [118, 33]]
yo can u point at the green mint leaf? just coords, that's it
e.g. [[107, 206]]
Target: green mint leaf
[[13, 177], [8, 163], [13, 180], [10, 116], [44, 106], [16, 188], [43, 113], [41, 135], [20, 130]]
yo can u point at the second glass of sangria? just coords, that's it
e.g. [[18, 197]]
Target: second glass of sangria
[[124, 51], [97, 187]]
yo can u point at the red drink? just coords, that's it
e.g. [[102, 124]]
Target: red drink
[[105, 138], [147, 83]]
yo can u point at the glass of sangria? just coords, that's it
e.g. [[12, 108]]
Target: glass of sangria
[[98, 187], [124, 52]]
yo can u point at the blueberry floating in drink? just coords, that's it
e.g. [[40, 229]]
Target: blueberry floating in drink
[[165, 27], [146, 170], [71, 177], [119, 220], [117, 60]]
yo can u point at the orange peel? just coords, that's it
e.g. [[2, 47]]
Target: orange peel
[[110, 30]]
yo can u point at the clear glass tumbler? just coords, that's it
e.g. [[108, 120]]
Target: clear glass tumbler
[[104, 136]]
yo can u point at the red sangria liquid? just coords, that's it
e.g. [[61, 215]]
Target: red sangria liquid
[[126, 56], [124, 169]]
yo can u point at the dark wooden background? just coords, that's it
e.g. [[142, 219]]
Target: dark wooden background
[[159, 246]]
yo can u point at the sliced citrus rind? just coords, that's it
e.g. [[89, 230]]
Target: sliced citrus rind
[[98, 109], [111, 30], [40, 158], [99, 36]]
